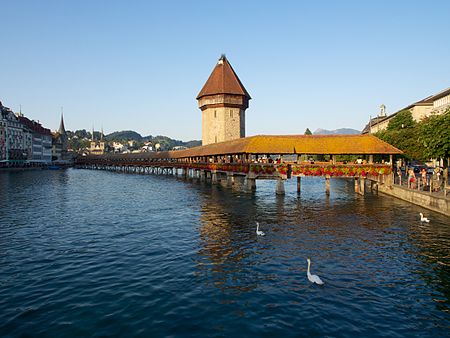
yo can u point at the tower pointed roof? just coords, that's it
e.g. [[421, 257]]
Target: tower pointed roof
[[62, 130], [223, 80]]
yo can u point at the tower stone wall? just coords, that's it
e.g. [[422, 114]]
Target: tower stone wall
[[223, 101]]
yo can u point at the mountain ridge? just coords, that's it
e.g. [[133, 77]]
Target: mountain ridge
[[341, 131]]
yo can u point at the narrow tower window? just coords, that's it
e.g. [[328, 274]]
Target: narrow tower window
[[215, 114], [231, 113]]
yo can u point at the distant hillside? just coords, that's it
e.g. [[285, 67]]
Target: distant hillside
[[166, 142], [124, 135], [345, 131]]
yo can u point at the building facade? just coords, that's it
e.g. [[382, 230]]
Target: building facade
[[434, 104], [15, 138], [41, 141], [223, 101]]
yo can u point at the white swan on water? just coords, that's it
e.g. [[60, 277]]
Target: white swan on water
[[313, 278], [423, 219], [259, 232]]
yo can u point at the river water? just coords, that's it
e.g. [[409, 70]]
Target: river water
[[95, 253]]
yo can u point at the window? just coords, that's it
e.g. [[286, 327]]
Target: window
[[231, 113], [215, 114], [216, 139]]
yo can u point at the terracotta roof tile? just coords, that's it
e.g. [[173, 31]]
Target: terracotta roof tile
[[223, 80], [292, 144]]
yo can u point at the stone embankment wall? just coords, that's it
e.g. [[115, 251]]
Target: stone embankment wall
[[430, 201]]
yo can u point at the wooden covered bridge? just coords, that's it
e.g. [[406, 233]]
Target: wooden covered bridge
[[240, 162]]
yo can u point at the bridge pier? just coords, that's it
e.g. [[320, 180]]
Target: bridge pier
[[327, 185], [374, 186], [280, 187], [230, 179], [213, 177], [202, 176], [250, 184], [239, 182], [362, 185], [299, 184]]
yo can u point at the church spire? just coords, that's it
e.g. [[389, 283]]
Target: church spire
[[62, 130]]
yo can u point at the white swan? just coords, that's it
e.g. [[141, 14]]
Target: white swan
[[313, 278], [259, 232], [423, 219]]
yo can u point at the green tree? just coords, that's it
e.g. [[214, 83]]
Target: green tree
[[308, 132], [402, 120], [403, 133], [435, 136]]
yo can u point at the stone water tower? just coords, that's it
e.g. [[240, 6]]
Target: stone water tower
[[223, 101]]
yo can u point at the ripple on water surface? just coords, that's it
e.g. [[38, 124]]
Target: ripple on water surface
[[91, 253]]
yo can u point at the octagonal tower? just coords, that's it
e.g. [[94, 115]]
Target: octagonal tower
[[223, 101]]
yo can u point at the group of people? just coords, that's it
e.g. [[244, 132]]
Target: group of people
[[439, 177]]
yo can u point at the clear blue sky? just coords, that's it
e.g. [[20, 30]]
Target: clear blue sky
[[140, 64]]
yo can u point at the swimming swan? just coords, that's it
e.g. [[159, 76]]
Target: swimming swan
[[424, 219], [259, 232], [313, 278]]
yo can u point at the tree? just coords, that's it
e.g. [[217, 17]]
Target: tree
[[403, 133], [435, 136], [402, 120], [308, 132]]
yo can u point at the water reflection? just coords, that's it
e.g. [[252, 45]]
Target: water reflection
[[157, 256], [369, 242]]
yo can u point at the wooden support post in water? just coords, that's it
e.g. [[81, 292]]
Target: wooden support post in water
[[357, 185], [280, 187], [250, 184], [299, 183], [238, 183], [230, 179], [362, 185], [213, 177], [327, 185]]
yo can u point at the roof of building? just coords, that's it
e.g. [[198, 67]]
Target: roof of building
[[283, 144], [298, 144], [223, 80], [374, 121], [443, 93], [34, 126]]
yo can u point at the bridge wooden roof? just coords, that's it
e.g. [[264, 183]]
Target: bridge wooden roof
[[223, 80], [282, 144], [297, 144]]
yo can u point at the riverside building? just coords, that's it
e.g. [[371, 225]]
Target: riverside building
[[41, 141], [433, 104], [15, 139]]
